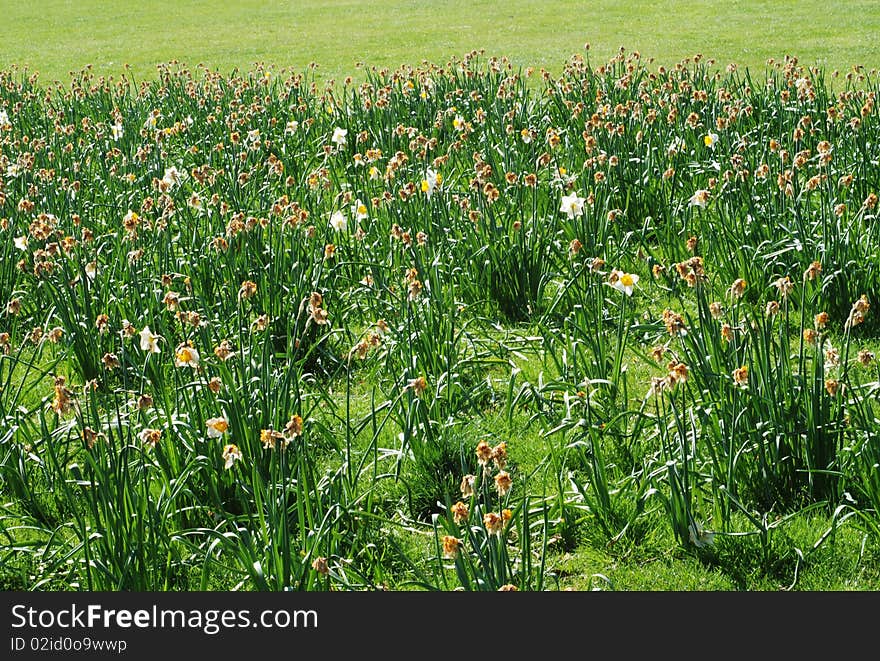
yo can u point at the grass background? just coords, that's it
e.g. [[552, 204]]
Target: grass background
[[54, 37]]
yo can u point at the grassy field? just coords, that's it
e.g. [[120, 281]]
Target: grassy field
[[448, 327], [57, 36]]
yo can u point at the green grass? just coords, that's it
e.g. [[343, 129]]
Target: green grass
[[58, 36]]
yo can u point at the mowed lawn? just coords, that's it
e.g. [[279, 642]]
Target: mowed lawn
[[54, 37]]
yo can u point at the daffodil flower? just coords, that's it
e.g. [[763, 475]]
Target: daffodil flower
[[700, 537], [710, 140], [338, 221], [172, 177], [572, 205], [625, 282], [431, 181], [339, 138], [231, 454], [149, 340], [217, 426], [359, 210], [699, 199], [186, 356]]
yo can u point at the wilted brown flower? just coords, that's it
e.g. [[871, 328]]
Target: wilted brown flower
[[61, 402], [484, 453], [678, 371], [493, 522], [674, 323], [150, 437], [418, 385], [294, 427], [503, 482], [247, 290], [467, 486], [866, 357], [460, 511], [499, 455], [658, 353], [784, 286], [224, 350], [451, 546], [90, 436], [320, 565], [813, 271], [738, 288], [269, 438]]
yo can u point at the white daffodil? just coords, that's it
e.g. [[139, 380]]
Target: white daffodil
[[338, 221], [431, 181], [359, 210], [116, 130], [572, 205], [427, 89], [231, 454], [624, 282], [291, 127], [21, 242], [149, 340], [186, 356], [699, 537], [91, 270], [699, 199], [217, 426], [339, 138], [710, 140], [458, 123], [4, 118], [172, 177]]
